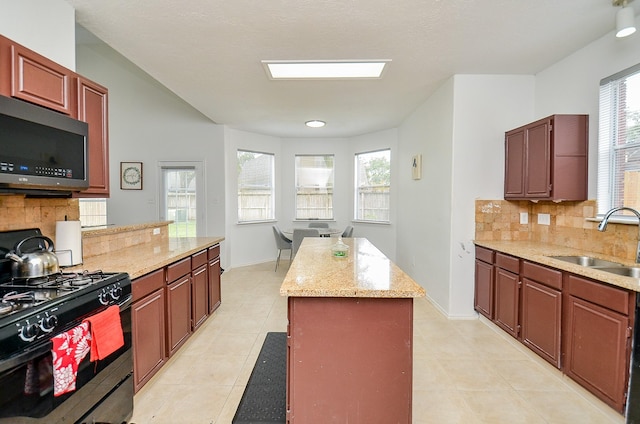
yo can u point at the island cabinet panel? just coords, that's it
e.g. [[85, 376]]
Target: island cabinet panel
[[93, 109], [484, 282], [215, 296], [31, 77], [507, 293], [542, 311], [199, 288], [179, 317], [598, 339], [326, 375]]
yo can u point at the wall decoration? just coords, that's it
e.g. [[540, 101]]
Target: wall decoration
[[416, 167], [131, 175]]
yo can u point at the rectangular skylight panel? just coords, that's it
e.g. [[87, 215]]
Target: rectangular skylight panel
[[324, 70]]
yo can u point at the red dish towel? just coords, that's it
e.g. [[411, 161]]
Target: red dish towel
[[106, 333], [69, 349]]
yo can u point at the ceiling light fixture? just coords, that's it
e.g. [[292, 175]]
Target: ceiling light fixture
[[625, 19], [315, 123], [329, 69]]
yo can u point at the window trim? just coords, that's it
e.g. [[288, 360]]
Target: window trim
[[273, 189], [295, 188], [355, 187]]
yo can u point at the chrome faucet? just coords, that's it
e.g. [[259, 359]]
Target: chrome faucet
[[603, 224]]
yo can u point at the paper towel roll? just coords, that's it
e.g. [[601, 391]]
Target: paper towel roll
[[68, 246]]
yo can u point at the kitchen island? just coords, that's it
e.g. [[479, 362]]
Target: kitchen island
[[350, 335]]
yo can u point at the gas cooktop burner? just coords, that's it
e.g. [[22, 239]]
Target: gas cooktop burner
[[64, 281]]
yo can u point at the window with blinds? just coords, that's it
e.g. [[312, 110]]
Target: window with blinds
[[619, 141], [314, 186]]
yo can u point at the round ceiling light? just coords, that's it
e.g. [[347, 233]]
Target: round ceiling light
[[315, 123]]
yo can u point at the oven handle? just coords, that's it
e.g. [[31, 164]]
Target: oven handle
[[41, 349]]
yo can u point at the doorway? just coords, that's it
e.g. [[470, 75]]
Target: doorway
[[182, 198]]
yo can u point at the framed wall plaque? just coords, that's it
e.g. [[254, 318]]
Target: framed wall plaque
[[131, 175]]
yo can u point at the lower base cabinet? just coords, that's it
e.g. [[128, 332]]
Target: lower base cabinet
[[148, 318], [178, 313]]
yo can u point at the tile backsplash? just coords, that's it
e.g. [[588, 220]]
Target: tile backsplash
[[568, 226], [18, 212]]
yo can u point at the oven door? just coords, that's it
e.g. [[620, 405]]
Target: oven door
[[26, 385]]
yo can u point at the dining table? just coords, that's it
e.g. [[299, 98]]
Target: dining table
[[324, 232]]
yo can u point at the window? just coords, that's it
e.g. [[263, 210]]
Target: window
[[619, 141], [256, 196], [373, 180], [182, 198], [93, 212], [314, 187]]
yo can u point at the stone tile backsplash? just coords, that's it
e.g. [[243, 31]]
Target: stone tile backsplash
[[500, 220]]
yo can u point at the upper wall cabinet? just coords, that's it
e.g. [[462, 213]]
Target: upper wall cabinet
[[547, 159], [93, 109], [28, 76]]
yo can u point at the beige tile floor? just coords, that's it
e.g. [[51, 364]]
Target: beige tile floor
[[464, 371]]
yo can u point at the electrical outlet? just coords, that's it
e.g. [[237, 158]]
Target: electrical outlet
[[524, 218], [156, 231], [544, 219]]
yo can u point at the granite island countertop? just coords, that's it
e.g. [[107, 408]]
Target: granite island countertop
[[141, 259], [365, 272], [541, 253]]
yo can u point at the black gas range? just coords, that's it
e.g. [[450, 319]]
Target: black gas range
[[32, 312]]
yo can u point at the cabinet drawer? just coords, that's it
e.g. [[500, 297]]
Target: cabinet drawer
[[214, 252], [198, 259], [508, 262], [542, 274], [178, 269], [601, 294], [484, 254], [142, 286]]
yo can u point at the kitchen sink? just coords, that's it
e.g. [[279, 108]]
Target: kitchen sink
[[588, 261], [627, 271]]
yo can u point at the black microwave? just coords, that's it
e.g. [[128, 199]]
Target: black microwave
[[41, 149]]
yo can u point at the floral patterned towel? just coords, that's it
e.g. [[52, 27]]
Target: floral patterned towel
[[69, 349]]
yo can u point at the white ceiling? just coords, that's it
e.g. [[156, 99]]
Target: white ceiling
[[209, 52]]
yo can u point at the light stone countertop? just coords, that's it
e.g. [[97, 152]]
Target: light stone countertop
[[365, 272], [541, 252], [103, 230], [144, 258]]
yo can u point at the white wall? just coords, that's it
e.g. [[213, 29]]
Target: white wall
[[572, 85], [44, 26], [148, 123], [484, 107]]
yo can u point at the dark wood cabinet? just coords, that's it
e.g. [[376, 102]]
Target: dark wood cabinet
[[542, 311], [148, 326], [29, 76], [598, 338], [178, 304], [199, 288], [92, 108], [507, 293], [215, 296], [548, 159], [484, 293]]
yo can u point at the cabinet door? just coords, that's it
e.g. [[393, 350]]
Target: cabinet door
[[514, 164], [39, 80], [214, 285], [538, 160], [596, 350], [148, 326], [541, 320], [484, 289], [93, 109], [178, 313], [507, 288], [199, 295]]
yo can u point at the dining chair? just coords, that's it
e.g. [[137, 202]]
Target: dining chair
[[348, 232], [282, 243], [299, 234], [318, 225]]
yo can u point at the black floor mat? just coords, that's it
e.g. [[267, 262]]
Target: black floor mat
[[264, 399]]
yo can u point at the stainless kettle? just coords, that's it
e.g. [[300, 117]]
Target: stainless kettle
[[38, 263]]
